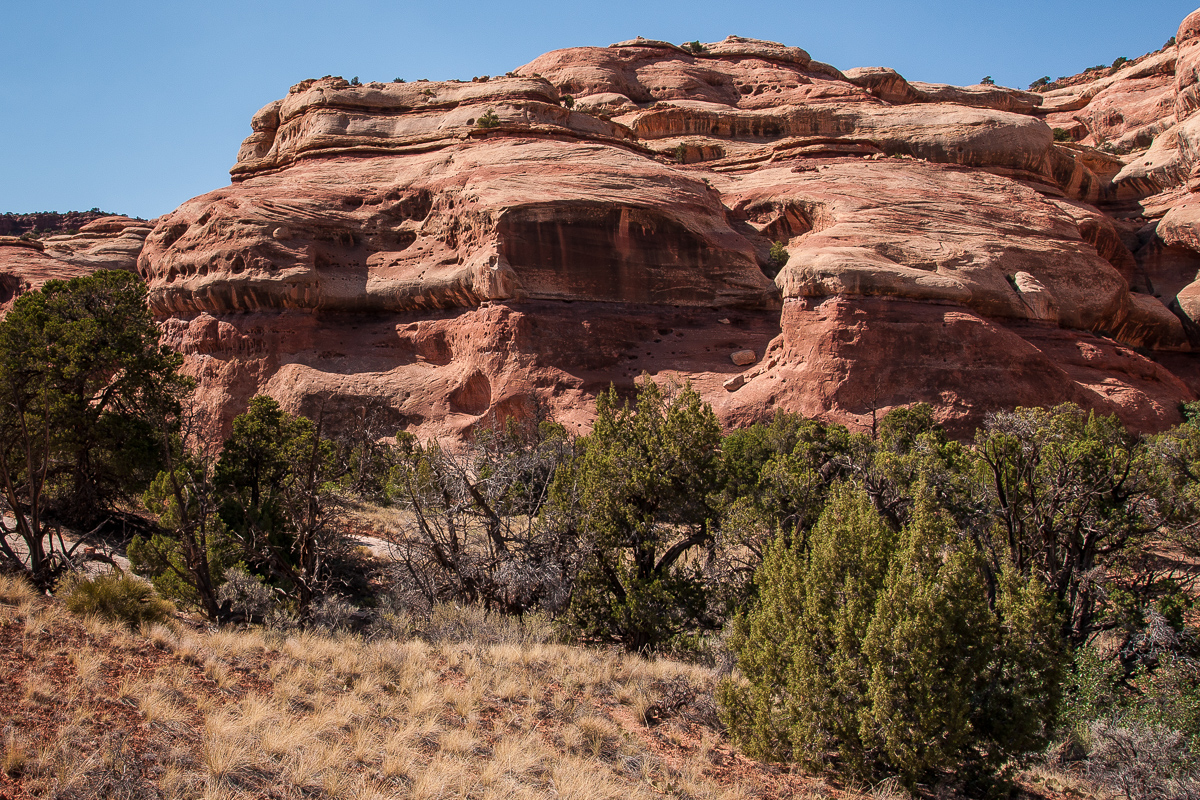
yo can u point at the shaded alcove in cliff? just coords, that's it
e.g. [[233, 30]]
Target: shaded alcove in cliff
[[610, 253]]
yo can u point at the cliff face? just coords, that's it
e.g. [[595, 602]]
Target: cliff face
[[72, 244], [47, 222], [452, 252]]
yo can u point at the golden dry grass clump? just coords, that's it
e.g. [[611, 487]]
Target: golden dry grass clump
[[96, 710]]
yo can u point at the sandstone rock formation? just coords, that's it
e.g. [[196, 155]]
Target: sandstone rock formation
[[41, 223], [104, 242], [452, 253]]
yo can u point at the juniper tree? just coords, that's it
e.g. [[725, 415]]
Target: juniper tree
[[928, 646], [882, 650], [643, 498], [801, 646], [275, 477], [85, 389]]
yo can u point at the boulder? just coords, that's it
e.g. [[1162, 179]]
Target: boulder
[[743, 358]]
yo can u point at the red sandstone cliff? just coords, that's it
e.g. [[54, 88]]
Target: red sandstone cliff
[[380, 246]]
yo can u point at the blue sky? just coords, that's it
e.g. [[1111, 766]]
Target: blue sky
[[134, 107]]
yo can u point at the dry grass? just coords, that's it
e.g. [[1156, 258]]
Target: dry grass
[[1059, 781], [16, 591], [174, 711]]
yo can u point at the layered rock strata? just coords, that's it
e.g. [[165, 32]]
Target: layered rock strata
[[780, 233], [110, 242]]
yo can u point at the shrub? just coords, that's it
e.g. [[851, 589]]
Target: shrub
[[334, 614], [568, 101], [117, 597], [274, 478], [987, 80], [186, 558], [1039, 83], [801, 646], [355, 82], [1071, 494], [695, 47], [1135, 722], [479, 531], [1062, 135], [778, 255], [245, 596], [1141, 761], [1091, 689], [642, 500], [488, 120], [881, 648], [1120, 62], [928, 640]]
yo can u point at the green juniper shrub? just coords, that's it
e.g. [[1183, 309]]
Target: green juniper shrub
[[1019, 691], [267, 505], [488, 120], [1068, 492], [901, 428], [1190, 411], [276, 477], [778, 256], [643, 496], [929, 639], [745, 452], [800, 646], [186, 559], [883, 649], [1061, 135], [784, 471], [1091, 688]]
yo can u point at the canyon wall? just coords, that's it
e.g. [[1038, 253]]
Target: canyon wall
[[449, 254]]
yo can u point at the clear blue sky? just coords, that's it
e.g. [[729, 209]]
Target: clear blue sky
[[134, 107]]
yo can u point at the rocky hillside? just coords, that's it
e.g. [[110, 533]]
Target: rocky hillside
[[781, 233], [41, 223], [60, 250]]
